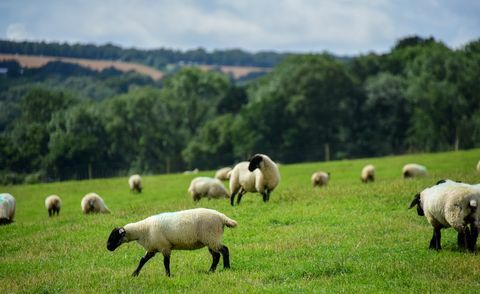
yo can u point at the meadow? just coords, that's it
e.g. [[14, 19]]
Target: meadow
[[346, 237]]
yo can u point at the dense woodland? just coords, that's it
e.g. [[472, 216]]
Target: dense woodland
[[62, 121]]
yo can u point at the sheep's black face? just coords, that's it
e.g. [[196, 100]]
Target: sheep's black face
[[116, 238], [255, 162], [416, 201]]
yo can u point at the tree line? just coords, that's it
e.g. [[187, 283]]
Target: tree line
[[420, 97]]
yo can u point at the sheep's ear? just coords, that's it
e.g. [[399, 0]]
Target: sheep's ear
[[121, 231], [416, 201], [440, 182]]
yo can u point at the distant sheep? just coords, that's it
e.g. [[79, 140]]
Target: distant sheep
[[7, 208], [53, 203], [189, 172], [184, 230], [260, 175], [207, 187], [368, 174], [223, 174], [92, 203], [413, 170], [451, 204], [320, 178], [135, 183]]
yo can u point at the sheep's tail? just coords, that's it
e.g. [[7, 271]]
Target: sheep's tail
[[229, 222]]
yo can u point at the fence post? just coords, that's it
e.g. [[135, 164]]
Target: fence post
[[327, 152], [89, 170]]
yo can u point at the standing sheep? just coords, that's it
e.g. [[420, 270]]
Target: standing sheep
[[413, 170], [259, 175], [320, 178], [368, 173], [7, 208], [53, 203], [209, 187], [223, 174], [135, 183], [184, 230], [450, 204], [92, 203]]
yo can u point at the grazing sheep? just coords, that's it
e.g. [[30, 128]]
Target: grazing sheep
[[207, 187], [184, 230], [92, 203], [451, 204], [413, 170], [223, 174], [368, 174], [135, 183], [320, 178], [189, 172], [259, 175], [7, 208], [53, 203]]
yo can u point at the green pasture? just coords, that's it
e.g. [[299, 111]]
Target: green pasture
[[347, 237]]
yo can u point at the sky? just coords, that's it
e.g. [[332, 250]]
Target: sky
[[339, 27]]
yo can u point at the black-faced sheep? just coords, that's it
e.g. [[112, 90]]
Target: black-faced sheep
[[7, 208], [135, 183], [183, 230], [320, 178], [207, 187], [368, 173], [92, 203], [260, 175], [413, 170], [451, 204], [53, 203]]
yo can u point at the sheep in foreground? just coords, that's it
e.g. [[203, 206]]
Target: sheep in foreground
[[207, 187], [320, 178], [223, 174], [451, 204], [259, 175], [53, 203], [184, 230], [413, 170], [92, 203], [368, 173], [7, 208], [135, 183]]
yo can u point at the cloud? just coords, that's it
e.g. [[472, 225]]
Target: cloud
[[16, 31]]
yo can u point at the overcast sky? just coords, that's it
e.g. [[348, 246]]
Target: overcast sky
[[340, 27]]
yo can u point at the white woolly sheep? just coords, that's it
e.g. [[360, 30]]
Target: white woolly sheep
[[135, 183], [259, 175], [207, 187], [368, 173], [223, 174], [92, 203], [451, 204], [184, 230], [320, 178], [53, 203], [7, 208], [189, 172], [413, 170]]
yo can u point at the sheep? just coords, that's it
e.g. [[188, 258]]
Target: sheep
[[223, 174], [368, 173], [478, 166], [450, 204], [92, 203], [189, 172], [260, 175], [53, 203], [412, 170], [7, 208], [209, 187], [135, 183], [320, 178], [184, 230]]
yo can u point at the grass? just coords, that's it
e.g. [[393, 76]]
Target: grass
[[347, 237]]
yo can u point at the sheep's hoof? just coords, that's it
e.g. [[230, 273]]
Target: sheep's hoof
[[135, 274]]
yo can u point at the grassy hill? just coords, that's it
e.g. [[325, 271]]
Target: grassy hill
[[349, 236]]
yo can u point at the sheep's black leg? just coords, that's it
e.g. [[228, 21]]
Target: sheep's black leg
[[266, 195], [435, 242], [226, 256], [232, 198], [463, 238], [50, 212], [143, 260], [472, 242], [166, 264], [216, 259], [58, 211], [240, 195]]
